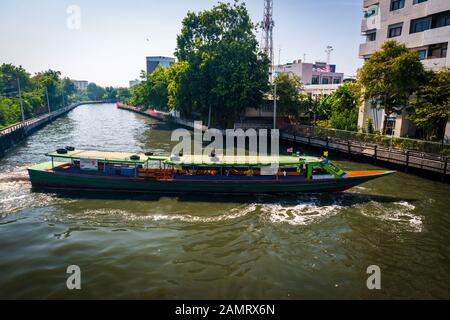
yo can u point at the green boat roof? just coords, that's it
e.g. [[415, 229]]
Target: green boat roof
[[239, 161], [189, 160]]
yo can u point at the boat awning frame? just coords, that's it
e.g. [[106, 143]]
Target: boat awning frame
[[103, 156]]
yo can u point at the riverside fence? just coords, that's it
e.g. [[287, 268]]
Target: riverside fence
[[409, 153]]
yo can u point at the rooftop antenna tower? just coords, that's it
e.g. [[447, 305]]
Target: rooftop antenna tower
[[267, 26], [328, 52]]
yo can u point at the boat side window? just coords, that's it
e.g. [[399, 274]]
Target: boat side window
[[318, 171]]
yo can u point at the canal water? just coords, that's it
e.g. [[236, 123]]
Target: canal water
[[213, 247]]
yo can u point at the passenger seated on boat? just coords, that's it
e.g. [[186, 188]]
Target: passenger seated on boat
[[318, 171]]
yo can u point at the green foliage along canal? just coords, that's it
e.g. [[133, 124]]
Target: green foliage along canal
[[145, 246]]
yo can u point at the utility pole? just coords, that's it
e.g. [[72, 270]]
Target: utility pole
[[209, 117], [279, 56], [21, 102], [267, 26], [328, 52], [48, 101], [275, 100], [63, 102], [275, 105]]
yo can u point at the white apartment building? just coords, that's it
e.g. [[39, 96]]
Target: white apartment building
[[81, 84], [319, 73], [134, 83], [422, 25]]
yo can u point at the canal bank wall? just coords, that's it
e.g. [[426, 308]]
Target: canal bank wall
[[13, 134], [160, 115]]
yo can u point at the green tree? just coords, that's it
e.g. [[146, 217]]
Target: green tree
[[430, 107], [225, 71], [9, 74], [9, 111], [110, 93], [390, 76], [179, 89], [49, 80], [289, 97], [123, 94], [345, 104], [95, 92], [68, 89]]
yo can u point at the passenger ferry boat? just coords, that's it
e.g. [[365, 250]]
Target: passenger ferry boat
[[128, 172]]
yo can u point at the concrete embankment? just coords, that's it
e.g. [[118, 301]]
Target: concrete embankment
[[160, 115]]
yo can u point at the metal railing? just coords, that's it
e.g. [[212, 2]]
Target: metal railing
[[423, 146]]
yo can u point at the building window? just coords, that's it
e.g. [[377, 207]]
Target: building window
[[337, 80], [395, 30], [397, 4], [437, 51], [325, 81], [440, 20], [371, 36], [420, 25], [371, 12], [315, 80], [422, 54], [419, 1]]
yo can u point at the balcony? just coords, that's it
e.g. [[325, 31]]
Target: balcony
[[436, 35], [437, 6], [368, 3], [370, 23], [435, 63], [368, 48]]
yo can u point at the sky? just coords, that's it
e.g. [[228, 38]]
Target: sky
[[112, 39]]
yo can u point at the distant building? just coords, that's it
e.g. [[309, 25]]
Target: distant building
[[81, 84], [134, 83], [319, 73], [154, 62], [316, 90], [422, 25]]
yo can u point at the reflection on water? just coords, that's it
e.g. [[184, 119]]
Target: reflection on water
[[190, 246]]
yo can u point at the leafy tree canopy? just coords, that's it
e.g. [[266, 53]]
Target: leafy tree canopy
[[430, 108], [224, 69], [391, 75], [289, 97]]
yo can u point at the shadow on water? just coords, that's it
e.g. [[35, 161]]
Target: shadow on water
[[344, 198]]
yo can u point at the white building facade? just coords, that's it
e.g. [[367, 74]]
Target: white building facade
[[319, 73], [154, 62], [81, 85], [422, 25]]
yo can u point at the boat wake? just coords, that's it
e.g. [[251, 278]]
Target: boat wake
[[104, 214], [398, 215], [15, 193], [307, 212]]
